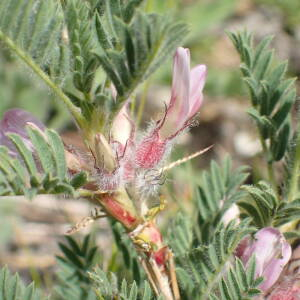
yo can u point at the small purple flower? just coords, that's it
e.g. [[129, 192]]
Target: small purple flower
[[272, 252], [15, 121]]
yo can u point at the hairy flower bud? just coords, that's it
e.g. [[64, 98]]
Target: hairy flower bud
[[186, 99]]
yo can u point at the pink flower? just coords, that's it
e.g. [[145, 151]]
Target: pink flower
[[114, 159], [186, 99], [272, 252]]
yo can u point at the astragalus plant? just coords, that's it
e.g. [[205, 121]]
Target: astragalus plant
[[241, 241]]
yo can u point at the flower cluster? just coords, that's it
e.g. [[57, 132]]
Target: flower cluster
[[122, 158], [121, 166]]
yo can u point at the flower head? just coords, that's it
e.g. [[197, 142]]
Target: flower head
[[117, 164]]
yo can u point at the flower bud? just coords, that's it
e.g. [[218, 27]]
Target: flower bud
[[105, 158], [120, 207], [186, 99]]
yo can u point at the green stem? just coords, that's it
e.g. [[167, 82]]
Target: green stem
[[142, 104], [132, 106], [293, 189], [29, 62], [269, 166], [87, 97]]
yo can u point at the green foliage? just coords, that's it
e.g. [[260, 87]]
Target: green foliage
[[180, 236], [132, 51], [239, 283], [129, 254], [77, 260], [79, 23], [262, 204], [264, 207], [34, 27], [11, 288], [271, 93], [42, 171], [217, 192], [199, 269], [61, 40], [107, 287], [80, 276]]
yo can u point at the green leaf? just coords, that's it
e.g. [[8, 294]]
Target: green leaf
[[40, 170], [142, 45], [35, 35], [284, 110], [281, 141], [217, 192], [239, 282], [181, 234], [59, 155], [107, 286], [129, 10], [25, 153], [204, 264], [260, 49], [11, 288], [78, 260], [129, 254], [79, 21], [264, 207], [42, 148], [272, 95]]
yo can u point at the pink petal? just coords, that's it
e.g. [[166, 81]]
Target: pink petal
[[275, 266], [122, 127], [242, 248], [15, 120], [178, 108], [272, 253], [198, 76], [150, 151], [232, 213]]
